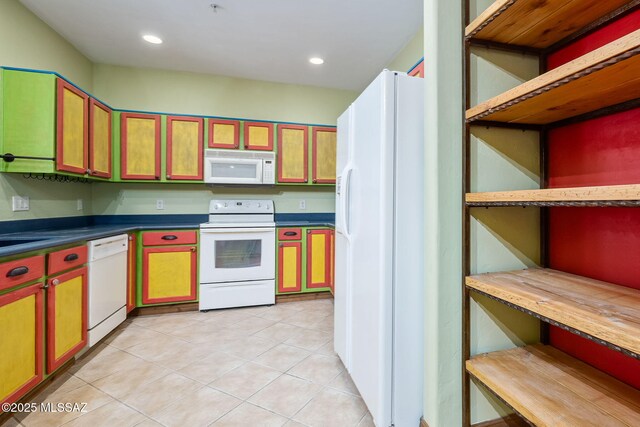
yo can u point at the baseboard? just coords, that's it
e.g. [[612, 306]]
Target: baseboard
[[509, 421], [164, 309], [303, 297]]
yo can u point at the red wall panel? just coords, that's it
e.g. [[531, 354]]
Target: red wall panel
[[601, 243], [607, 34]]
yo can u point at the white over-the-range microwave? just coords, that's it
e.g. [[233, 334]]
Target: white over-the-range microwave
[[239, 167]]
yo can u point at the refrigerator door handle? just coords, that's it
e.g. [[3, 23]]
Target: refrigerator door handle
[[346, 202]]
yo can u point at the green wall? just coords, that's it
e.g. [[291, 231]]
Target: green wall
[[410, 53], [27, 42], [502, 239]]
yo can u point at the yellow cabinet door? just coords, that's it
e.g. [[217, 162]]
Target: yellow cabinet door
[[21, 342], [185, 148], [289, 267], [72, 139], [169, 274], [224, 133], [140, 146], [99, 139], [66, 317], [318, 259], [292, 153], [258, 136], [324, 155]]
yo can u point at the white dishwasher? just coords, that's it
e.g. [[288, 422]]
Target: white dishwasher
[[107, 285]]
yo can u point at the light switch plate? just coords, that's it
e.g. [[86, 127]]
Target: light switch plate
[[20, 203]]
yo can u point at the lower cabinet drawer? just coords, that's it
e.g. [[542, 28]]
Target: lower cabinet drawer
[[165, 238], [66, 259], [14, 273]]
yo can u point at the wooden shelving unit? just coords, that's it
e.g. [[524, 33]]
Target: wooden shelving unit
[[543, 385], [549, 388], [576, 303], [538, 24], [609, 195], [601, 78]]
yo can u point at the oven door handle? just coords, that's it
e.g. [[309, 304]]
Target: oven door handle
[[236, 230]]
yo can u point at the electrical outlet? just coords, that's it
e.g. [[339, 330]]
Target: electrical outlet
[[303, 204], [160, 204], [79, 204], [20, 203]]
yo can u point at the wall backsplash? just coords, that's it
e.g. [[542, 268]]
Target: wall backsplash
[[131, 199]]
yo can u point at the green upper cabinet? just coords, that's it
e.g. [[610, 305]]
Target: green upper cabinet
[[48, 118], [28, 120]]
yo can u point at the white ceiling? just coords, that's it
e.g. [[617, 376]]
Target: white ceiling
[[256, 39]]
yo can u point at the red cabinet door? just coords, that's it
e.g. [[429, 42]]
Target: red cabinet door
[[185, 148], [169, 274], [132, 273], [289, 267], [318, 259], [140, 146], [100, 156], [418, 70], [323, 154], [258, 136], [21, 342], [66, 317], [72, 141]]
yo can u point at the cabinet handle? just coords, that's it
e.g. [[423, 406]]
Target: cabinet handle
[[315, 180], [18, 271], [71, 257], [193, 249], [55, 282], [88, 171], [168, 176], [290, 233], [281, 245], [169, 237], [130, 238]]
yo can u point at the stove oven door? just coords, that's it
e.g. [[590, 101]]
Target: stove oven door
[[237, 254]]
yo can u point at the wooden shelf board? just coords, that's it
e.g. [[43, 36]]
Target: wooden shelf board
[[549, 388], [622, 195], [599, 310], [535, 23], [601, 78]]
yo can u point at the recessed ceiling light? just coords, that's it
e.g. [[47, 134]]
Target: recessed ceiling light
[[316, 60], [152, 39]]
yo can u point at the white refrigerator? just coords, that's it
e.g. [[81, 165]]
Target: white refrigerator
[[379, 247]]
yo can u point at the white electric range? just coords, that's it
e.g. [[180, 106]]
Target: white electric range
[[237, 254]]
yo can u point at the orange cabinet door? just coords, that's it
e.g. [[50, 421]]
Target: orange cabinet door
[[289, 267], [140, 146], [100, 155], [131, 273], [72, 140], [418, 70], [292, 153], [318, 259], [258, 136], [184, 148], [169, 274], [21, 342], [66, 317], [324, 155], [224, 133]]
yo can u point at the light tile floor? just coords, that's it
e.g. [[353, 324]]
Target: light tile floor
[[259, 366]]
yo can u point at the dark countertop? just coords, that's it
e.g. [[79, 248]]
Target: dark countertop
[[42, 239], [304, 224], [49, 233]]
